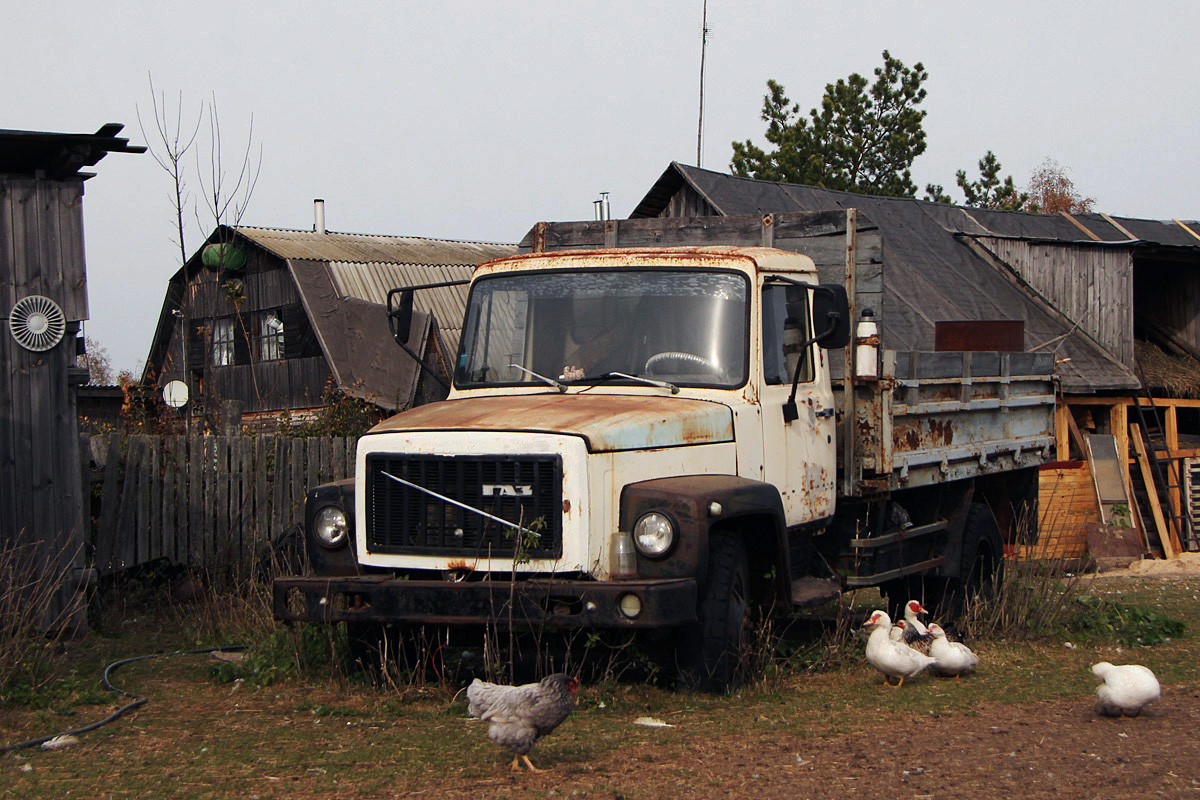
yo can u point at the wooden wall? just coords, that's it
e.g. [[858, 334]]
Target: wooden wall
[[294, 382], [41, 253], [1168, 293], [1092, 286]]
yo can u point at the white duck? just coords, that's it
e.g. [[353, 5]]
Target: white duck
[[893, 659], [950, 658], [896, 634], [1125, 690], [915, 628]]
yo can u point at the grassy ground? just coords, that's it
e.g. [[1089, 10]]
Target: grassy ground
[[330, 737]]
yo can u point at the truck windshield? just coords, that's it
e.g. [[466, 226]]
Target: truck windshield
[[685, 327]]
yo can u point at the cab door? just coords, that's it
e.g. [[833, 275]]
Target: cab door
[[799, 454]]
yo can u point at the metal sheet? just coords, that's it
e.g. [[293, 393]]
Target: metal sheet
[[607, 422]]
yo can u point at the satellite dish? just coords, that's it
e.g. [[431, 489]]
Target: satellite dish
[[37, 323], [175, 394]]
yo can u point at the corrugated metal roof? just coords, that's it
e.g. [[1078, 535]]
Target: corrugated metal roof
[[373, 280], [331, 246], [931, 274]]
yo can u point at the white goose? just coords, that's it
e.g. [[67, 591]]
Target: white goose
[[950, 658], [893, 659], [1125, 690]]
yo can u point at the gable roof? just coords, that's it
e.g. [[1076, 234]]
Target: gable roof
[[933, 272], [343, 280]]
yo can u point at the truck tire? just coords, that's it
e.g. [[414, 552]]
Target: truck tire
[[715, 654], [982, 565]]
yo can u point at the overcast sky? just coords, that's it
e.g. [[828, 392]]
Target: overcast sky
[[472, 120]]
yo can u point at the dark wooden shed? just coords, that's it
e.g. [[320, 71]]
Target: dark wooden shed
[[271, 319], [43, 299]]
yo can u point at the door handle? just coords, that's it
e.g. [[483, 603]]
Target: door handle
[[825, 412]]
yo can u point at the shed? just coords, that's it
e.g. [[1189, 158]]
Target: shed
[[277, 317], [43, 299]]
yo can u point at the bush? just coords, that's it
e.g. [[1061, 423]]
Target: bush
[[1104, 619]]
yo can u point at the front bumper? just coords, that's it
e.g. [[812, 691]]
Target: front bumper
[[530, 603]]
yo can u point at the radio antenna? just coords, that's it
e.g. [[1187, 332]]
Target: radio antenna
[[704, 31]]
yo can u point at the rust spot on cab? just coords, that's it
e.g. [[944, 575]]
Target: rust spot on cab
[[566, 506], [459, 563]]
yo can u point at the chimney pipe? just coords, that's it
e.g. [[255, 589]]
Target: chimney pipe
[[319, 215]]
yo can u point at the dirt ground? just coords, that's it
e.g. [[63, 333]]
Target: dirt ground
[[198, 739], [1049, 750]]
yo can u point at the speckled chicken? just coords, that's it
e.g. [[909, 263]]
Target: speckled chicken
[[518, 716]]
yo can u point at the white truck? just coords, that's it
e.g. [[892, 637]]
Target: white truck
[[674, 437]]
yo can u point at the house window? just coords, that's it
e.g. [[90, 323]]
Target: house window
[[270, 336], [222, 342]]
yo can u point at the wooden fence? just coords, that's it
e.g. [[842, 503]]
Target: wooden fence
[[213, 502]]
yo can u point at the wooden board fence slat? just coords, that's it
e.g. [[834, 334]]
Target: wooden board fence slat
[[222, 477], [180, 539], [167, 531], [110, 497], [208, 459], [280, 496], [339, 459], [141, 535], [195, 484], [324, 474], [155, 550], [262, 495], [124, 539], [295, 479]]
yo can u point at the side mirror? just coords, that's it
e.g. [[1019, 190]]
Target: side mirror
[[831, 316], [400, 312]]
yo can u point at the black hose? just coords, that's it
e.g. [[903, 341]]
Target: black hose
[[138, 701]]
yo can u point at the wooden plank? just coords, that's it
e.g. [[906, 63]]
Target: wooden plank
[[280, 496], [1080, 226], [195, 490], [222, 476], [338, 455], [179, 539], [167, 530], [1174, 475], [312, 465], [154, 548], [1186, 228], [262, 489], [208, 508], [142, 525], [325, 473], [1160, 524], [296, 479], [125, 540]]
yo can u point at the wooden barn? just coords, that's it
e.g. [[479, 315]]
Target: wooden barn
[[266, 321], [1114, 298], [43, 297]]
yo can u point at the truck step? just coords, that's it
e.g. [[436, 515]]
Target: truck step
[[808, 592]]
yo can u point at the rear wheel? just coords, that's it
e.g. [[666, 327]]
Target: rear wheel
[[715, 654]]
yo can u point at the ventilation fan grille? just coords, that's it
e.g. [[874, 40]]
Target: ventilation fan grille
[[37, 323]]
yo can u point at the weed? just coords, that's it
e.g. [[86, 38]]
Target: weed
[[1100, 618], [1033, 599], [39, 605]]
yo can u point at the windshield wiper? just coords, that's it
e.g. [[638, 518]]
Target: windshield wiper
[[562, 387], [649, 381]]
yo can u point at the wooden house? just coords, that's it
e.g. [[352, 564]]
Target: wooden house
[[43, 297], [1099, 291], [272, 319]]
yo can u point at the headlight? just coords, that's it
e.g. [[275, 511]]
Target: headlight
[[330, 527], [653, 534]]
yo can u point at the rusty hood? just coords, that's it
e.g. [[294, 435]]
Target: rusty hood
[[608, 422]]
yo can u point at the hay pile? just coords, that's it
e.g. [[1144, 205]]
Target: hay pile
[[1167, 374]]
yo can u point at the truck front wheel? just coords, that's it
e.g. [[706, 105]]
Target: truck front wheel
[[715, 654]]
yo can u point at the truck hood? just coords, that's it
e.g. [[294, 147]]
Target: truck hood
[[608, 422]]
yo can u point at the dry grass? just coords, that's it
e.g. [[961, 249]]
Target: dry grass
[[38, 608]]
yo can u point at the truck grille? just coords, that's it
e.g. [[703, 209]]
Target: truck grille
[[522, 490]]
